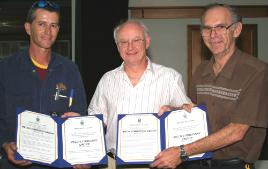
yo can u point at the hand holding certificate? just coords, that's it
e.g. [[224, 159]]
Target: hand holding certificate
[[142, 136], [182, 128], [60, 142]]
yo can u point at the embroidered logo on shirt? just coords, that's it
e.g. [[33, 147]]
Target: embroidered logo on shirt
[[59, 88]]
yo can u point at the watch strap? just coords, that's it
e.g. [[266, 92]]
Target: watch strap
[[183, 154]]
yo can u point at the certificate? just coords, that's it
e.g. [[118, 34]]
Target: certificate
[[37, 137], [138, 138], [182, 127], [83, 140], [58, 142]]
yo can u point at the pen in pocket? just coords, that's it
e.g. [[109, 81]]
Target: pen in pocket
[[71, 97]]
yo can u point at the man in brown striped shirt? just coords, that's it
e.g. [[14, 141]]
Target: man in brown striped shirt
[[233, 86]]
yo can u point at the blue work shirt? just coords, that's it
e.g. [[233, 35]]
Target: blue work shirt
[[21, 87]]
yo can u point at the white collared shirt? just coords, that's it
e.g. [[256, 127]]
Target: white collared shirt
[[158, 86]]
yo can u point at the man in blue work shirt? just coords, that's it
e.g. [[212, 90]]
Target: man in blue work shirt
[[38, 80]]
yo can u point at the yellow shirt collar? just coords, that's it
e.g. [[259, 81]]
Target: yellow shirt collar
[[38, 64]]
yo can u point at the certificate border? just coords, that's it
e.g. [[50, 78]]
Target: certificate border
[[162, 135], [60, 162], [18, 136], [120, 161], [101, 130], [206, 154]]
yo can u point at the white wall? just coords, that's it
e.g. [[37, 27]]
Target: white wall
[[262, 36], [169, 42], [169, 36], [262, 164]]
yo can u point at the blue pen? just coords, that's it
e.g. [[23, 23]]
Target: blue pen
[[71, 97]]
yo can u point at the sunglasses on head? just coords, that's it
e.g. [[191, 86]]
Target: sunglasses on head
[[44, 3]]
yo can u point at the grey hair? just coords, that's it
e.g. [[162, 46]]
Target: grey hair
[[233, 11], [138, 22]]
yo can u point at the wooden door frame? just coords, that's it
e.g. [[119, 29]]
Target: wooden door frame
[[176, 12]]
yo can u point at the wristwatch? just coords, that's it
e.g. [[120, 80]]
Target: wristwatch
[[183, 154]]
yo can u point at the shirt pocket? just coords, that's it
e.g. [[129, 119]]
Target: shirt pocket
[[61, 104]]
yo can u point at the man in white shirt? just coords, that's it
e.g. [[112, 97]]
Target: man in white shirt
[[138, 85]]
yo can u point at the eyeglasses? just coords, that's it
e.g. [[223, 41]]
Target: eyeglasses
[[44, 3], [219, 29], [134, 42]]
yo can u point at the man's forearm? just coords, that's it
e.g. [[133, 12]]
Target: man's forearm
[[228, 135]]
